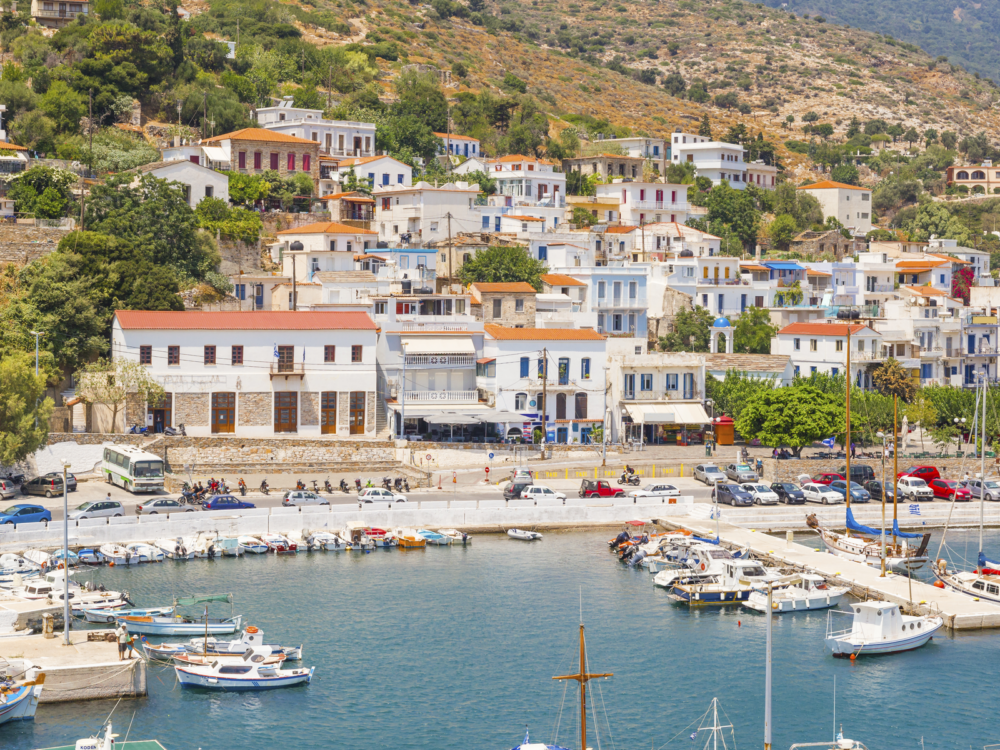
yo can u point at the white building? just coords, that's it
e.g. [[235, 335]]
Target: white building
[[720, 161], [379, 171], [199, 182], [255, 374], [523, 179], [651, 149], [922, 330], [647, 202], [458, 145], [822, 347], [574, 379], [419, 214], [977, 260], [562, 303], [335, 137], [849, 204], [321, 246]]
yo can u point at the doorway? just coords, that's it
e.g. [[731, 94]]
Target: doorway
[[162, 413], [223, 413], [328, 413], [357, 414], [286, 411]]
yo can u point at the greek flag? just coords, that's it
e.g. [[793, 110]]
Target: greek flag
[[914, 510], [694, 736], [829, 442], [275, 351]]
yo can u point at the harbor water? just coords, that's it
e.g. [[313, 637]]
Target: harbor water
[[456, 647]]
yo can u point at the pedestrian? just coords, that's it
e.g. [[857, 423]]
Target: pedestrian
[[108, 498], [121, 634], [853, 449], [131, 645]]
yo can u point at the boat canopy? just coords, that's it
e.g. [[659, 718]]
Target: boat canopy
[[986, 563], [903, 534], [853, 525], [190, 601]]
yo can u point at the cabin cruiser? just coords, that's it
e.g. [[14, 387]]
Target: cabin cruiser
[[697, 560], [52, 585], [279, 544], [879, 627], [734, 584], [811, 591]]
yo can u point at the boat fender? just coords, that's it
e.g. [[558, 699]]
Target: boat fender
[[703, 566]]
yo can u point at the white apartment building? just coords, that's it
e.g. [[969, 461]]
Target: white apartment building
[[822, 347], [562, 303], [713, 281], [651, 149], [335, 137], [923, 331], [647, 202], [379, 171], [522, 178], [254, 374], [515, 367], [458, 145], [199, 182], [419, 214], [978, 260], [878, 276], [720, 161], [929, 271], [660, 240], [321, 246], [657, 398], [849, 204]]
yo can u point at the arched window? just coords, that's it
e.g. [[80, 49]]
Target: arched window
[[560, 406], [962, 175], [581, 406], [521, 401], [979, 175]]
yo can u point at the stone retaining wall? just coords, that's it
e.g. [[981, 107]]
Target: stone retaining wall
[[20, 244], [950, 468]]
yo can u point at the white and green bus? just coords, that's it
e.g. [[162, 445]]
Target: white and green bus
[[132, 468]]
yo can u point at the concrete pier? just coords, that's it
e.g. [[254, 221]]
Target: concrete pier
[[960, 612]]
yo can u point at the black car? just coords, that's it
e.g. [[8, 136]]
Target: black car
[[788, 493], [512, 490], [49, 485], [874, 488], [732, 494], [860, 473]]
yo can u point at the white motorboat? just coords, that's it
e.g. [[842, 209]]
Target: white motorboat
[[41, 558], [19, 700], [737, 580], [433, 537], [11, 564], [146, 553], [226, 546], [324, 540], [174, 549], [118, 554], [688, 560], [51, 586], [253, 545], [89, 557], [279, 544], [523, 535], [251, 637], [250, 674], [457, 537], [880, 627], [357, 534], [198, 545], [811, 591]]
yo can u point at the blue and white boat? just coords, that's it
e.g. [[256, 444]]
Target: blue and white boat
[[20, 700], [89, 557], [432, 537], [251, 673], [73, 557], [734, 584], [253, 545], [111, 615], [251, 637], [179, 625], [879, 627]]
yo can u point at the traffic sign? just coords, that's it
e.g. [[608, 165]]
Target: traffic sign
[[487, 469], [491, 457], [428, 456]]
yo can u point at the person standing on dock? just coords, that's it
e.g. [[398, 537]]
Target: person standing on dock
[[121, 633]]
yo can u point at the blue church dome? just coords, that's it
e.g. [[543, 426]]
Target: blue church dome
[[721, 323]]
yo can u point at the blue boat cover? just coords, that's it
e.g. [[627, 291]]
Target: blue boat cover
[[985, 563], [903, 534], [853, 525], [702, 539]]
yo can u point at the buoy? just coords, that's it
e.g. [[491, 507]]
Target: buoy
[[739, 624], [939, 584], [853, 657], [111, 564]]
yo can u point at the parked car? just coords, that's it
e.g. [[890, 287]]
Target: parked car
[[948, 489], [295, 498], [8, 489], [599, 488], [825, 477], [913, 488], [49, 485], [989, 490], [761, 493], [380, 495], [788, 493], [733, 494], [860, 473], [515, 488], [656, 489], [162, 505], [709, 473], [226, 502], [858, 493], [927, 473], [541, 492], [821, 493], [740, 473], [875, 489], [99, 509], [516, 474], [24, 513]]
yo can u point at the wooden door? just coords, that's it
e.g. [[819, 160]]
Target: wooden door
[[328, 413], [286, 411], [357, 415], [223, 412]]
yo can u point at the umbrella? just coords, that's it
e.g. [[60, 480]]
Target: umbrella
[[451, 419], [499, 415]]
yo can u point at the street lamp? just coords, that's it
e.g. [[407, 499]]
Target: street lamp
[[65, 464], [959, 421]]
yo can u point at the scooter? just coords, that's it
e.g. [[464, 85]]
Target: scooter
[[406, 484], [299, 484], [398, 484], [263, 487], [343, 486], [16, 479], [179, 430], [327, 486], [243, 489], [137, 430], [627, 478], [386, 483], [357, 484], [316, 486]]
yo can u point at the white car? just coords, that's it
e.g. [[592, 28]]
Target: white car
[[913, 488], [379, 495], [762, 494], [302, 497], [654, 489], [821, 493], [541, 492], [709, 474]]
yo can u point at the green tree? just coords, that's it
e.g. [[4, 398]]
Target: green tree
[[498, 264], [949, 140], [782, 231], [24, 410], [752, 332], [890, 380], [512, 84], [796, 416], [247, 189], [910, 136], [421, 98], [50, 205], [34, 131], [922, 412], [487, 184], [64, 107], [113, 381], [824, 130], [680, 173], [691, 331], [845, 173], [738, 390], [705, 129], [727, 100], [582, 217], [736, 209], [697, 92], [930, 136], [26, 188], [674, 84], [308, 98]]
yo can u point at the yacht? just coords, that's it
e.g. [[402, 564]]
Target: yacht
[[811, 591], [733, 585]]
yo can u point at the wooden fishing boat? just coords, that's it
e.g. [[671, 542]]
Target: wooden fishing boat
[[411, 541], [250, 674], [19, 700]]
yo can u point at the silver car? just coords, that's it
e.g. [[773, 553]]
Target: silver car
[[301, 497], [8, 489], [99, 509], [162, 505], [741, 473], [709, 474]]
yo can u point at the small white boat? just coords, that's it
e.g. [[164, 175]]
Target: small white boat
[[73, 557], [109, 616], [200, 658], [117, 554], [89, 557], [250, 674], [109, 742], [279, 544], [41, 558], [10, 564], [359, 538], [198, 545], [226, 546], [457, 537], [738, 579], [523, 535], [174, 549], [51, 586], [685, 558], [326, 541], [20, 699], [880, 628], [433, 537], [176, 625], [251, 637], [253, 545], [811, 592], [146, 553]]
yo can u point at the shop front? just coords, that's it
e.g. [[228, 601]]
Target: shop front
[[665, 424]]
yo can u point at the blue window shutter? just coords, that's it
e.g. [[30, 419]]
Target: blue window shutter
[[497, 225], [399, 179], [385, 178], [543, 252], [524, 367], [486, 222]]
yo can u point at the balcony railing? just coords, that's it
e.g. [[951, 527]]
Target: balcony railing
[[440, 360], [721, 282], [430, 397], [622, 301], [297, 369], [63, 13], [662, 394], [657, 205], [433, 326]]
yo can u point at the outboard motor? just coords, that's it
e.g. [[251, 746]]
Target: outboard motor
[[622, 537]]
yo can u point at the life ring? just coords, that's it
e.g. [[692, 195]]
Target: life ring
[[251, 629], [703, 566]]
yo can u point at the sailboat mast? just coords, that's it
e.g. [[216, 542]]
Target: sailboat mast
[[982, 470], [583, 694], [847, 440], [895, 465], [767, 675]]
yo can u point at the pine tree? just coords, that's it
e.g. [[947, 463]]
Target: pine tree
[[706, 127]]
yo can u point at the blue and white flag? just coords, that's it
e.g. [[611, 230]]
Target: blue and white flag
[[829, 442], [694, 736], [914, 510], [275, 351]]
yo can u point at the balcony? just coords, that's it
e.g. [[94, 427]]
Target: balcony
[[879, 288], [869, 356], [435, 324], [655, 206], [441, 397], [662, 395], [622, 302], [722, 282], [63, 13], [287, 369], [433, 361]]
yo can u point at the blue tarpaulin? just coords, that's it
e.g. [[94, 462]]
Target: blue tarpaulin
[[853, 525], [903, 534], [984, 563], [783, 265]]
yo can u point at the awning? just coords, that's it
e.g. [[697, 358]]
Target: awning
[[215, 153], [438, 345], [422, 411], [783, 265], [667, 413]]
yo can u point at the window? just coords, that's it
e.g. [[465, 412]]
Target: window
[[223, 412], [834, 371], [242, 159], [486, 369], [797, 344], [521, 401], [257, 158], [274, 161], [585, 368], [813, 369], [286, 359], [840, 345], [497, 305], [563, 371], [541, 368], [173, 355], [671, 381], [328, 412], [399, 179], [812, 345], [646, 381], [357, 413], [543, 252], [210, 192], [330, 352], [286, 411], [796, 369], [291, 162], [209, 355], [380, 308], [524, 367], [237, 355], [356, 353], [145, 355], [486, 225], [306, 158], [519, 305]]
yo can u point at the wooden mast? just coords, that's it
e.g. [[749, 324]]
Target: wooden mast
[[583, 678]]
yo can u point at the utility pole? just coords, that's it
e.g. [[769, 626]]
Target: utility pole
[[329, 87], [604, 424], [402, 399], [847, 444], [450, 251], [36, 334], [204, 113], [895, 466], [295, 294]]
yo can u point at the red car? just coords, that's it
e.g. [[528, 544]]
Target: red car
[[927, 473], [826, 477], [949, 490], [599, 488]]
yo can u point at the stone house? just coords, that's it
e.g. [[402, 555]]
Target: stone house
[[256, 150], [507, 304], [815, 244]]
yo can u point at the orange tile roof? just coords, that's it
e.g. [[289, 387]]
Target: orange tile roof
[[502, 333], [926, 291], [353, 197], [560, 279], [828, 184], [359, 160], [522, 218], [619, 230], [754, 267], [327, 227], [454, 137], [366, 256], [261, 320], [823, 329], [908, 264], [951, 259], [810, 272], [516, 157], [515, 286], [11, 146], [259, 135]]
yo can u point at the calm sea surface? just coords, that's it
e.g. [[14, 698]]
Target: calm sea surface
[[456, 647]]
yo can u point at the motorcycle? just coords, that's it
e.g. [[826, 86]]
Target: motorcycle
[[357, 484], [299, 484], [327, 486], [137, 430], [343, 487], [398, 484], [178, 430], [263, 488], [627, 478], [316, 486], [386, 483], [16, 479], [406, 484], [243, 489]]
